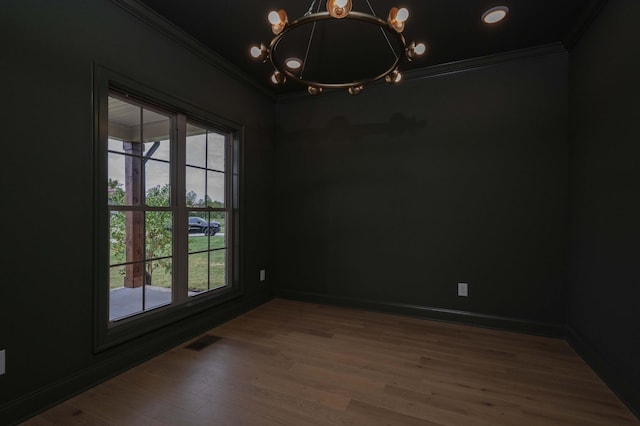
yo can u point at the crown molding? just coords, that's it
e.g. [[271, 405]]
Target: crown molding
[[583, 22], [170, 30], [485, 61], [458, 66]]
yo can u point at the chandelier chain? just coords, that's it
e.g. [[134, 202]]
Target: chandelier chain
[[313, 30], [310, 11]]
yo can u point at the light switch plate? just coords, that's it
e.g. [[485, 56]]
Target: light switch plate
[[2, 361], [263, 274]]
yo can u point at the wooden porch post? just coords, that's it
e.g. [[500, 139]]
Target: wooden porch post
[[134, 221]]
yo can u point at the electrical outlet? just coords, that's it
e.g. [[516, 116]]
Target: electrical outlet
[[2, 361], [463, 289], [263, 275]]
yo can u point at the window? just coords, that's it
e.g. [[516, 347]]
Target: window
[[167, 228], [207, 156], [141, 209]]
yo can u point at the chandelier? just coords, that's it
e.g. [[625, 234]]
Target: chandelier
[[294, 68]]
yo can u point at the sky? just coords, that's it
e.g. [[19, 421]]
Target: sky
[[157, 172]]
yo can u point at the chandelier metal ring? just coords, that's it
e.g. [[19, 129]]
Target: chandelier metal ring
[[323, 16], [336, 9]]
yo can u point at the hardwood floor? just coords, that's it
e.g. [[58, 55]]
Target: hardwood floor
[[293, 363]]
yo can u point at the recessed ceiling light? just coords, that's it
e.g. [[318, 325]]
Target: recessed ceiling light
[[293, 63], [495, 14]]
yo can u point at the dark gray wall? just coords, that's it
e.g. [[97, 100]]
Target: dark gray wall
[[392, 197], [605, 195], [389, 198], [46, 300]]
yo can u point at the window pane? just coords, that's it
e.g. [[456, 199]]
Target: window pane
[[158, 291], [116, 277], [116, 145], [198, 272], [196, 146], [219, 240], [115, 165], [157, 183], [155, 297], [216, 236], [126, 290], [202, 225], [215, 152], [159, 265], [159, 150], [207, 271], [196, 180], [124, 180], [159, 238], [125, 236], [116, 237], [159, 273], [124, 302], [197, 244], [124, 120], [156, 131], [215, 189], [217, 269]]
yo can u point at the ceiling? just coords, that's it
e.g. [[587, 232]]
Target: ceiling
[[452, 30]]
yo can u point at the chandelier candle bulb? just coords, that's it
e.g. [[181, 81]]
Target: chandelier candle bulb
[[278, 20], [394, 77], [355, 90], [414, 50], [397, 18], [339, 8], [293, 63], [261, 53], [403, 15], [274, 18], [278, 78]]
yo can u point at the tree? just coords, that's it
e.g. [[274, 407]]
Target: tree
[[117, 221], [158, 238], [191, 199], [216, 204]]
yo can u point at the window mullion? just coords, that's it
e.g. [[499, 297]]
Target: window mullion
[[181, 236]]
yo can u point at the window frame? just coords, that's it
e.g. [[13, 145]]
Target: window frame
[[107, 333], [229, 193]]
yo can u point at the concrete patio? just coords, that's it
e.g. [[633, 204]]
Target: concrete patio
[[124, 302]]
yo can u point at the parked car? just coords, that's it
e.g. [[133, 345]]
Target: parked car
[[198, 225]]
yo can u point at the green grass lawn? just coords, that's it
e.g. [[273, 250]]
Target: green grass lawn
[[206, 270], [201, 277]]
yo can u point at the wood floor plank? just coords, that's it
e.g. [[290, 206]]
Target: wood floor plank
[[294, 363]]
